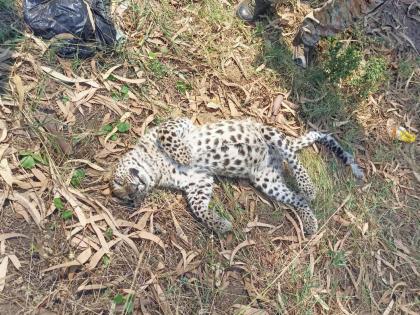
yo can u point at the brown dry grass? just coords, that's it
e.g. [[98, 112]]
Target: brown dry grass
[[198, 60]]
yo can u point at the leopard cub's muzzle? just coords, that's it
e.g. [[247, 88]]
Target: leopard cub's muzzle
[[128, 185]]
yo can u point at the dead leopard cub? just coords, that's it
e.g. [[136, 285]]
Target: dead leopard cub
[[179, 155]]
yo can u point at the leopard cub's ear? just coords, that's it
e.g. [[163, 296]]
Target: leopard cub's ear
[[134, 172]]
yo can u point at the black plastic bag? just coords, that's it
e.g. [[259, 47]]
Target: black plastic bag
[[48, 18]]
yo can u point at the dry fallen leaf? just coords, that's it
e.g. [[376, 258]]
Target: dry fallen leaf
[[96, 258], [63, 78], [15, 261], [6, 172], [142, 222], [6, 236], [183, 254], [161, 298], [80, 260], [3, 148], [29, 205], [248, 310], [109, 72], [3, 130], [389, 307], [277, 104], [19, 89], [213, 105], [178, 228], [100, 236], [146, 122], [128, 80], [400, 245], [50, 122], [74, 204], [91, 287], [148, 236], [255, 224], [239, 247], [321, 301], [3, 272]]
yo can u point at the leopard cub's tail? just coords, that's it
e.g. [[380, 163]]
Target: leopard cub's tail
[[332, 144]]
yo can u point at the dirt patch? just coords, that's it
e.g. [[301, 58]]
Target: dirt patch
[[398, 23]]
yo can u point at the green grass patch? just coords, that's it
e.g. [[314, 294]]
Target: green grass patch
[[122, 94], [182, 87], [322, 169], [64, 213], [29, 160], [78, 177], [9, 22], [333, 87]]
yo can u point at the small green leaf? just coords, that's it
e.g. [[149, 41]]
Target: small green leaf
[[77, 177], [124, 89], [111, 78], [106, 261], [65, 99], [107, 128], [58, 203], [109, 233], [27, 162], [38, 158], [115, 96], [123, 126], [182, 87], [67, 214], [119, 299], [25, 153], [152, 55], [113, 137]]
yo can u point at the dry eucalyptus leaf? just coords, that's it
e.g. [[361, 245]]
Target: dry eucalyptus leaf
[[80, 260], [3, 272], [239, 247], [63, 78], [128, 80], [19, 89], [96, 258], [6, 172], [29, 205], [3, 130], [6, 236], [148, 236], [109, 72]]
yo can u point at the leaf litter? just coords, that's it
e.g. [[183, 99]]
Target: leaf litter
[[238, 274]]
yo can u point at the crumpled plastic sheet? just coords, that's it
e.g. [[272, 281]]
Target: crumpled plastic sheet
[[88, 22]]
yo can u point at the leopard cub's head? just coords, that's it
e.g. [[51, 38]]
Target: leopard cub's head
[[130, 181]]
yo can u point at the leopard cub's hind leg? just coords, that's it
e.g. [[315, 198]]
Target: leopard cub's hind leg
[[304, 182], [285, 147], [198, 188], [270, 181], [171, 136]]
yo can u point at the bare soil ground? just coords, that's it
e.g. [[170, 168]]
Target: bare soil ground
[[67, 248]]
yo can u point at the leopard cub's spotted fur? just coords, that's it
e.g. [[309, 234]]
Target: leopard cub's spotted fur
[[179, 155]]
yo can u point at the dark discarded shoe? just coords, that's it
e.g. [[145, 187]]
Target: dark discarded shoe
[[303, 55], [251, 10], [300, 56]]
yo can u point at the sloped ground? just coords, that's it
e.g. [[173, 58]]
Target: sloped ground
[[66, 247]]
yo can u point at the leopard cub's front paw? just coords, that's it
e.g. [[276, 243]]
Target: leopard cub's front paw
[[223, 227], [310, 227]]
